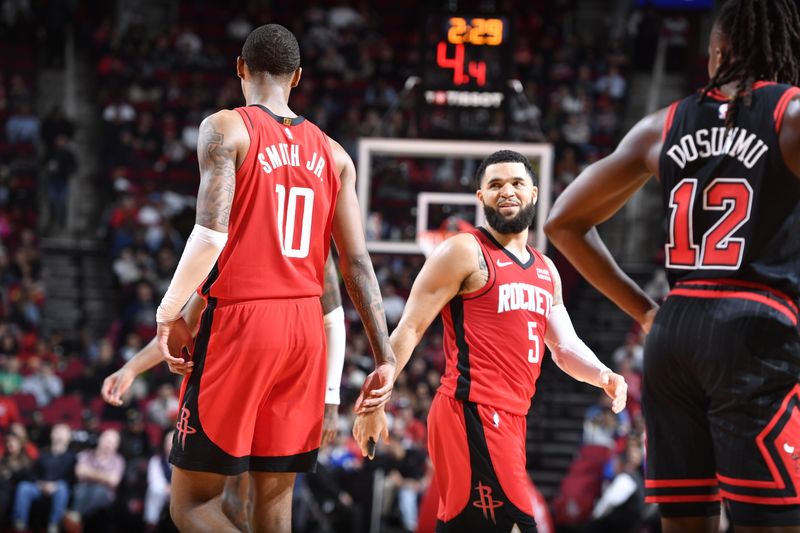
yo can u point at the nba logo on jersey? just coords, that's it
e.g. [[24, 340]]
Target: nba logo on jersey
[[723, 111], [288, 133]]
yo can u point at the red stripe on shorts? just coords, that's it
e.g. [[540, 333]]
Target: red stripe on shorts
[[699, 293], [662, 483]]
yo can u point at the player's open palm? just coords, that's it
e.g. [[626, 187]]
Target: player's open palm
[[616, 388], [368, 429], [377, 389]]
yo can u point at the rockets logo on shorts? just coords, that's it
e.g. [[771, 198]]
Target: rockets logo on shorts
[[485, 502], [183, 427]]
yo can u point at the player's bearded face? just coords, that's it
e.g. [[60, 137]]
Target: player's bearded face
[[514, 224]]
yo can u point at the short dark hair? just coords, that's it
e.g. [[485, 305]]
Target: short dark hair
[[273, 49], [505, 156]]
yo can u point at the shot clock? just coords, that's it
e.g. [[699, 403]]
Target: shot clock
[[466, 68]]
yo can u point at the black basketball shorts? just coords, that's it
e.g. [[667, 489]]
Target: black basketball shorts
[[721, 398]]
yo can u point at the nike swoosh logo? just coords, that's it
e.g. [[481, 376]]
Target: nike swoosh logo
[[331, 389], [504, 263]]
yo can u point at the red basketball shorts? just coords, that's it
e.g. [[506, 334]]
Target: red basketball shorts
[[478, 455], [255, 398]]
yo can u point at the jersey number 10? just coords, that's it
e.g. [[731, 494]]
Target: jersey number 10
[[717, 249], [286, 229]]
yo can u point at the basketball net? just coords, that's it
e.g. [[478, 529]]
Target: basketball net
[[428, 240]]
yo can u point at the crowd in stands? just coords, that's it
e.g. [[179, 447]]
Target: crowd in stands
[[103, 466]]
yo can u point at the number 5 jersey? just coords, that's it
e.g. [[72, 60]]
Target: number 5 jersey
[[494, 337]]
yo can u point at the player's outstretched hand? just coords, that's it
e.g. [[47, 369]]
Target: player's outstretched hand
[[176, 344], [616, 388], [377, 389], [368, 429], [115, 385], [330, 423]]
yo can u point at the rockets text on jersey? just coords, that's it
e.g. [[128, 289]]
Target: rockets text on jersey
[[494, 337]]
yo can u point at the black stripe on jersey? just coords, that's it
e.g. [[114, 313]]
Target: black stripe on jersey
[[474, 518], [492, 272], [205, 456], [527, 264], [250, 120], [464, 381], [283, 121], [212, 277]]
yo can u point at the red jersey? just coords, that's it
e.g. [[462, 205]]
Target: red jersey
[[280, 225], [494, 337]]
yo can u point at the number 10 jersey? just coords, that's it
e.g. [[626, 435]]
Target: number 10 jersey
[[280, 225]]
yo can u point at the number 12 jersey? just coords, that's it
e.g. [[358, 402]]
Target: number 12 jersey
[[733, 205]]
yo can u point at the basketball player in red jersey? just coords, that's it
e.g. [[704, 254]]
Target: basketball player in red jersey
[[722, 360], [275, 189], [501, 304], [235, 494]]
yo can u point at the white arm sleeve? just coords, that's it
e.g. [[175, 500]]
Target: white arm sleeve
[[569, 352], [201, 252], [335, 335]]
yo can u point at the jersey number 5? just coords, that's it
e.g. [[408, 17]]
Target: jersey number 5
[[533, 353], [286, 224], [717, 250]]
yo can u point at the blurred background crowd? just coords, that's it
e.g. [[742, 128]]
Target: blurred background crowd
[[100, 104]]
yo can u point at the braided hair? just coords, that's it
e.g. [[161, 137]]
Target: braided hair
[[764, 40]]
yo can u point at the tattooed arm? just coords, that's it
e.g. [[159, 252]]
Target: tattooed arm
[[359, 277], [331, 297], [221, 147], [455, 267]]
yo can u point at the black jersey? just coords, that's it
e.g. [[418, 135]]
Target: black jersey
[[733, 205]]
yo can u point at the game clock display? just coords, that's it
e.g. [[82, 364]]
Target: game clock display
[[466, 68]]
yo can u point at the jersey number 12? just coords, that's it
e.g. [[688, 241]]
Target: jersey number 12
[[286, 229], [717, 249]]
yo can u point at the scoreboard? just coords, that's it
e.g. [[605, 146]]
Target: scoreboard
[[465, 72]]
